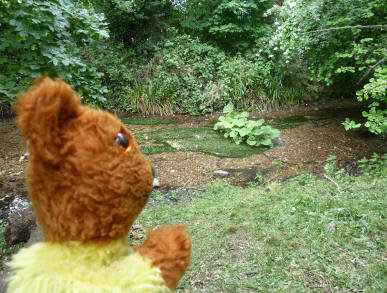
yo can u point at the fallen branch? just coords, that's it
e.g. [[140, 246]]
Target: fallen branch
[[337, 185], [345, 27]]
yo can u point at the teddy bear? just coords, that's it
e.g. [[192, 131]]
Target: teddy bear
[[88, 181]]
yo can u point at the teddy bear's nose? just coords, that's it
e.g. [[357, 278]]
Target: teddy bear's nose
[[153, 171]]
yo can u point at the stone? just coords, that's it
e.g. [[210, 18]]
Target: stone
[[18, 203], [156, 183], [277, 141], [318, 123], [19, 226], [220, 173], [16, 173], [35, 237], [313, 117], [24, 157]]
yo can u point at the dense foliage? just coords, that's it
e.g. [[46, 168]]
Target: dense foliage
[[46, 37], [343, 44], [195, 57], [375, 89], [230, 24]]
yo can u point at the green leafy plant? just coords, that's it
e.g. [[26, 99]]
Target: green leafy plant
[[343, 45], [376, 166], [230, 24], [239, 128], [375, 90], [47, 37], [260, 178], [350, 124], [332, 169]]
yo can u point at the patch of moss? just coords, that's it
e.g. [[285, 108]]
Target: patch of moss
[[146, 121], [287, 122], [157, 148], [203, 140]]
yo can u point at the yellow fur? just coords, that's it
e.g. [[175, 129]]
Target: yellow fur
[[79, 267]]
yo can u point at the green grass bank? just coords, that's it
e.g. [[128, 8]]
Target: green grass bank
[[307, 235]]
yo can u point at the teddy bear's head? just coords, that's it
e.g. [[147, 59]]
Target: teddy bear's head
[[87, 178]]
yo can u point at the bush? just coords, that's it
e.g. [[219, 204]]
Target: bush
[[46, 37], [187, 76], [342, 44], [375, 89]]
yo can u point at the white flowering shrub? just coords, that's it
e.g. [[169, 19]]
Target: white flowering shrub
[[341, 43]]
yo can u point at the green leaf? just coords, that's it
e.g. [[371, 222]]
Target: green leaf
[[228, 108], [266, 141], [251, 141], [233, 133], [240, 122], [243, 131]]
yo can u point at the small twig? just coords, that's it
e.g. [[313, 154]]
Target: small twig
[[375, 86], [371, 69], [337, 185], [345, 27]]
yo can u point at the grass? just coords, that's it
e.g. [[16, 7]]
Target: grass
[[303, 236], [146, 121], [204, 140]]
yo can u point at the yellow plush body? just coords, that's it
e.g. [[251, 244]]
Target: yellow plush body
[[76, 267]]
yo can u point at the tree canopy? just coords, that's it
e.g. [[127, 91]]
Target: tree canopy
[[197, 56]]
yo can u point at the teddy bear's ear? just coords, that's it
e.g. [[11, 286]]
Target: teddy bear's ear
[[42, 111]]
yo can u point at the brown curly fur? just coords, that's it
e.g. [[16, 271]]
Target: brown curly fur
[[169, 248], [82, 186]]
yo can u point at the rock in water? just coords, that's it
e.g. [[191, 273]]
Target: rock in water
[[19, 225], [220, 173]]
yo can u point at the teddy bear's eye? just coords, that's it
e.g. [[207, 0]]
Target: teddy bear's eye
[[122, 140]]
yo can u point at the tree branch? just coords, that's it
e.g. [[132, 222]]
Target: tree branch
[[345, 27], [375, 86], [371, 69]]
